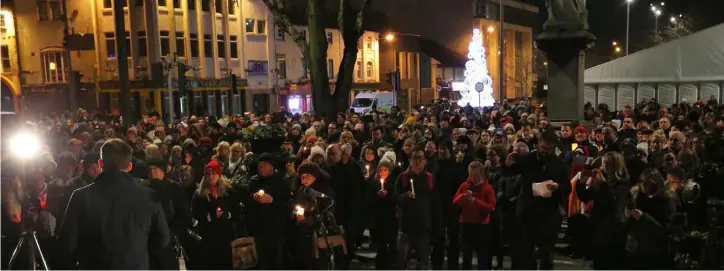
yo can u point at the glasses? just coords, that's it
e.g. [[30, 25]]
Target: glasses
[[418, 158]]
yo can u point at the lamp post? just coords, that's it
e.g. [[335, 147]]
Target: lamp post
[[657, 11], [628, 19]]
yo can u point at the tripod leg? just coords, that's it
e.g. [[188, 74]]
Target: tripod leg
[[16, 251], [36, 246]]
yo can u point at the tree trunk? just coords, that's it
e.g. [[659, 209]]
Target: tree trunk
[[324, 103]]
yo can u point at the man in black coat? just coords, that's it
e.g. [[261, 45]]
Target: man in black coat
[[538, 214], [346, 183], [268, 210], [175, 208], [113, 223]]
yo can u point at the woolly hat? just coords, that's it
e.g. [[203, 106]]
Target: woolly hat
[[213, 167], [90, 159], [316, 150], [580, 128], [386, 163], [390, 156], [308, 168]]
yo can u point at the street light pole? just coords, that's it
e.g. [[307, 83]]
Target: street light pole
[[628, 19], [501, 54], [122, 58]]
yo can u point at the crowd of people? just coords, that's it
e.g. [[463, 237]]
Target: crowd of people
[[429, 185]]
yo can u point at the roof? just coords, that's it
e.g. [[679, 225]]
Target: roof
[[696, 57], [446, 56]]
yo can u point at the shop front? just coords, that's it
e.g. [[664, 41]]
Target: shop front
[[56, 97]]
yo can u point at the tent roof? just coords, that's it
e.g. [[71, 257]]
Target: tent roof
[[696, 57]]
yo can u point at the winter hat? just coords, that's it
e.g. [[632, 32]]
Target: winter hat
[[308, 168], [213, 167], [90, 159], [206, 141], [580, 128], [390, 155], [312, 138], [386, 163], [316, 150]]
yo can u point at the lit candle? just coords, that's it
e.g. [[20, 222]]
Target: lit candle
[[368, 169], [299, 210], [261, 193], [399, 164], [412, 185], [382, 184]]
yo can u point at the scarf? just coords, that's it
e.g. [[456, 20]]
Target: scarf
[[232, 164]]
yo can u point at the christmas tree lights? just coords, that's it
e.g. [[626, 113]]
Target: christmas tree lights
[[477, 88]]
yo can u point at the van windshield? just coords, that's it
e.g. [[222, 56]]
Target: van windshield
[[362, 102]]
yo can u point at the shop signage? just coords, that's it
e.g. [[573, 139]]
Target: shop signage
[[257, 67]]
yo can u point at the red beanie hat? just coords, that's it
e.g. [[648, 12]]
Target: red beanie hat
[[214, 167], [580, 128], [205, 141]]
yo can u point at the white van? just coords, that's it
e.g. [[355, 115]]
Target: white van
[[363, 101]]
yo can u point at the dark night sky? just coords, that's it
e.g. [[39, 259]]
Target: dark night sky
[[448, 21]]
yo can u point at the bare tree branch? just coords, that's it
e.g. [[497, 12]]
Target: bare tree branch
[[360, 17]]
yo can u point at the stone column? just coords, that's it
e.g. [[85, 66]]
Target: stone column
[[566, 59]]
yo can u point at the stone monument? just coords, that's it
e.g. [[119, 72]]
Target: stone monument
[[565, 39]]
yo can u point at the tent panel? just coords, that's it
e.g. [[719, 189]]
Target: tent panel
[[710, 89], [696, 57], [589, 94], [625, 96], [667, 95], [688, 93], [607, 95], [645, 92]]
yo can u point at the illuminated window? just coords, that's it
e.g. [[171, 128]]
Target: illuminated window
[[282, 66], [53, 63]]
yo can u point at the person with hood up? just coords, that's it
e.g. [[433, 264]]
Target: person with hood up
[[268, 208], [476, 200], [384, 222]]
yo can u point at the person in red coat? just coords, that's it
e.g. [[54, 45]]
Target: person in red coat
[[476, 200]]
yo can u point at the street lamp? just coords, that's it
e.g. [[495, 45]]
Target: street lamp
[[657, 12], [672, 19], [618, 49], [389, 37], [491, 29], [614, 43], [628, 19]]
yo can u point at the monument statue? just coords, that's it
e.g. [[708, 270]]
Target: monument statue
[[566, 15]]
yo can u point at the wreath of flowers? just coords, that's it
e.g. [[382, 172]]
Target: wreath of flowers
[[264, 131]]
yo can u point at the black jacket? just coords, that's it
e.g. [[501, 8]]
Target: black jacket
[[535, 170], [421, 214], [175, 206], [265, 219], [113, 223]]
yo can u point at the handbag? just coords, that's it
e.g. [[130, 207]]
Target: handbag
[[334, 241], [244, 255]]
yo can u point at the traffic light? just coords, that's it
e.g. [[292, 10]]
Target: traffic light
[[181, 79]]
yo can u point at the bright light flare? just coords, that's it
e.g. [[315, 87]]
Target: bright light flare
[[390, 37], [618, 49], [24, 145], [672, 19], [657, 12], [615, 43], [491, 29]]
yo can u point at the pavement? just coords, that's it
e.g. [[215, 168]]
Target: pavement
[[365, 257]]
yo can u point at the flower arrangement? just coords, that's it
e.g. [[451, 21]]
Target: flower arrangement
[[264, 131]]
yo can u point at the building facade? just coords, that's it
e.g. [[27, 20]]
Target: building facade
[[293, 86], [8, 54]]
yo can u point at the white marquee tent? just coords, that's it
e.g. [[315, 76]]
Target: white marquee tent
[[684, 69]]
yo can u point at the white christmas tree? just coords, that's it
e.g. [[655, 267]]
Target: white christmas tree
[[478, 86]]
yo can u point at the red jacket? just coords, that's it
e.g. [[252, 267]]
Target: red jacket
[[478, 210]]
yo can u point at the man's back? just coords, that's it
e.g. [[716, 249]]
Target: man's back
[[113, 223]]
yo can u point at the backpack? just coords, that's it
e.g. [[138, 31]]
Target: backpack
[[430, 182]]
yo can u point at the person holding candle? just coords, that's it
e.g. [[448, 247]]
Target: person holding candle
[[476, 200], [310, 176], [383, 226], [215, 208], [267, 210], [420, 216], [369, 167]]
